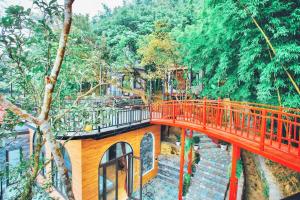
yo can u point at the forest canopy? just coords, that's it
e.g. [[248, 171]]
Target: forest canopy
[[218, 38], [215, 38], [244, 50]]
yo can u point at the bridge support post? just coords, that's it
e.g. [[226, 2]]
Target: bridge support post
[[219, 113], [263, 130], [190, 154], [181, 171], [173, 111], [204, 113], [233, 178]]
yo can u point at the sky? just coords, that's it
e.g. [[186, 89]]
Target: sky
[[91, 7]]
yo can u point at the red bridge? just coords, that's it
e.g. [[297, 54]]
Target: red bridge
[[270, 131]]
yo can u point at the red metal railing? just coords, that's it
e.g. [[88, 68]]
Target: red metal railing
[[266, 125]]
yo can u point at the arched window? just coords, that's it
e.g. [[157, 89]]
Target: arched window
[[42, 152], [116, 172], [147, 152], [56, 178]]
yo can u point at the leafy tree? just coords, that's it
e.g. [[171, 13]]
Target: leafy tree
[[237, 62], [37, 76], [159, 50]]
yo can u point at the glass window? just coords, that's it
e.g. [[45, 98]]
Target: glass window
[[147, 153]]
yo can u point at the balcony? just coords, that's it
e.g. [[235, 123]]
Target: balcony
[[99, 119]]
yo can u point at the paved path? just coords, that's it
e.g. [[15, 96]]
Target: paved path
[[210, 181]]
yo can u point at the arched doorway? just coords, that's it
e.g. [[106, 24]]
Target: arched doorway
[[115, 177]]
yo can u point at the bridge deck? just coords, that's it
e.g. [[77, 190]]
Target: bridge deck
[[267, 131]]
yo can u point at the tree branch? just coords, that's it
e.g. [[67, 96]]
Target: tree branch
[[18, 111], [52, 79], [57, 117]]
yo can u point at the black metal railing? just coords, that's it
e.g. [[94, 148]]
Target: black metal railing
[[115, 102], [102, 118]]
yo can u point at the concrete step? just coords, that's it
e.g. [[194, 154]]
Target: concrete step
[[170, 162], [169, 173], [205, 140], [213, 164], [168, 179], [212, 183], [203, 193], [211, 170], [208, 175], [222, 160], [207, 145]]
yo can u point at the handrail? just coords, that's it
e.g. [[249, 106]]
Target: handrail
[[270, 128], [102, 118], [238, 103]]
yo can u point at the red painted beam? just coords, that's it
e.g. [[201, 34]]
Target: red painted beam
[[233, 178], [190, 156], [181, 171]]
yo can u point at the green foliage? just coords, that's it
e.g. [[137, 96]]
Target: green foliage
[[197, 157], [159, 50], [266, 189], [186, 183], [188, 145], [228, 48], [196, 139], [124, 27]]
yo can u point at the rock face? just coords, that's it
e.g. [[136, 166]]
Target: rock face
[[210, 180]]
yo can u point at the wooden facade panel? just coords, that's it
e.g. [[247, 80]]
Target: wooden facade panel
[[85, 156], [93, 150], [73, 148]]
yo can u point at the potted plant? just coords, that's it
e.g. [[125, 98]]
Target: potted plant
[[223, 145], [178, 140], [196, 142], [88, 127]]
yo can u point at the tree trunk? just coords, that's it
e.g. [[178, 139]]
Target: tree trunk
[[58, 158], [27, 192], [42, 120], [49, 88]]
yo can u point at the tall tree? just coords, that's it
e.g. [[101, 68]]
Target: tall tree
[[42, 120], [236, 57]]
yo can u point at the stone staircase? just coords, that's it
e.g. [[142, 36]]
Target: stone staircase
[[210, 180], [168, 168], [165, 185], [208, 183]]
